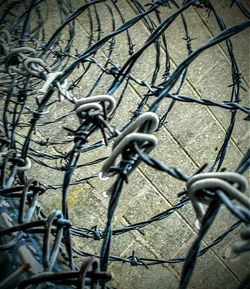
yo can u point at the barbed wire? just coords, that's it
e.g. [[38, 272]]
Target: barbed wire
[[40, 70]]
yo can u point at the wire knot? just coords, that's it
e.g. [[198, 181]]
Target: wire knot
[[97, 233], [135, 261], [203, 188]]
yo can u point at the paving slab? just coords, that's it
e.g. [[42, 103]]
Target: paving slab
[[191, 136]]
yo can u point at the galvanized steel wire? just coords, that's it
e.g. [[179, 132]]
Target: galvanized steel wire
[[39, 71]]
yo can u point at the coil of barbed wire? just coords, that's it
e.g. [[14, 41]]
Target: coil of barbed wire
[[65, 96]]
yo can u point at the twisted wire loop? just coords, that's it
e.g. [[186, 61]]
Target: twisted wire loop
[[92, 115], [224, 181], [144, 126], [44, 74], [215, 189]]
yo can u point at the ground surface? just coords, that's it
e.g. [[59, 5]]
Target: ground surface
[[191, 136]]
